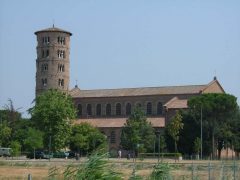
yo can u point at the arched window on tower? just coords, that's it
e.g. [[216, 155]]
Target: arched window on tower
[[79, 110], [89, 110], [118, 109], [60, 67], [61, 54], [47, 53], [61, 40], [149, 108], [159, 108], [108, 110], [128, 109], [44, 82], [45, 67], [98, 110], [61, 82]]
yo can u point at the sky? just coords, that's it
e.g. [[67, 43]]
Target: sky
[[121, 44]]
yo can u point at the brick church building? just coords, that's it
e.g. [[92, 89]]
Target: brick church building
[[108, 109]]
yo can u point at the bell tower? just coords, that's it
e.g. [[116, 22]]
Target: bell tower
[[52, 63]]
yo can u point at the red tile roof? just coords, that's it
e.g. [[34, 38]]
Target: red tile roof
[[176, 103], [146, 91], [118, 122]]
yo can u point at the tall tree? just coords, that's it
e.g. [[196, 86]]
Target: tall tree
[[137, 133], [86, 138], [34, 139], [217, 110], [52, 114], [11, 115], [174, 127], [5, 134], [235, 129]]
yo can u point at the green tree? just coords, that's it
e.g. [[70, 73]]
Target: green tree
[[137, 133], [174, 127], [86, 138], [5, 134], [34, 139], [12, 116], [235, 129], [20, 132], [52, 114], [187, 136], [217, 111], [197, 145], [16, 148]]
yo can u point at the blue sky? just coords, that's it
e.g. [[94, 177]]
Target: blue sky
[[127, 43]]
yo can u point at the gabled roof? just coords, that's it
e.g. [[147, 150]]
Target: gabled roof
[[118, 122], [176, 103], [53, 29], [213, 86], [145, 91]]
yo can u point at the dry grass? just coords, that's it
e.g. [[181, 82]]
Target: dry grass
[[13, 172], [39, 169]]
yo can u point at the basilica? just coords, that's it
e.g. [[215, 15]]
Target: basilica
[[108, 109]]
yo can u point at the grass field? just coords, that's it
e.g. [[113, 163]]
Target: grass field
[[39, 169]]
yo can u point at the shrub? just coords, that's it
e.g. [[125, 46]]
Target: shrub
[[16, 148], [160, 172]]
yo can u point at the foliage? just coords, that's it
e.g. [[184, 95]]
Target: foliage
[[34, 139], [16, 148], [162, 143], [174, 127], [187, 136], [20, 133], [86, 138], [137, 133], [5, 134], [197, 145], [96, 167], [52, 114], [160, 172], [235, 129], [217, 112], [11, 115], [135, 177], [12, 126]]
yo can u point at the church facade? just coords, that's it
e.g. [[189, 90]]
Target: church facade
[[108, 109]]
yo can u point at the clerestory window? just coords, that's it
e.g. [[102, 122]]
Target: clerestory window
[[118, 109], [89, 110], [128, 109], [79, 107], [159, 108], [108, 110], [149, 108], [98, 110]]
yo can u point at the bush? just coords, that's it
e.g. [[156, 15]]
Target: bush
[[16, 148], [161, 171]]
